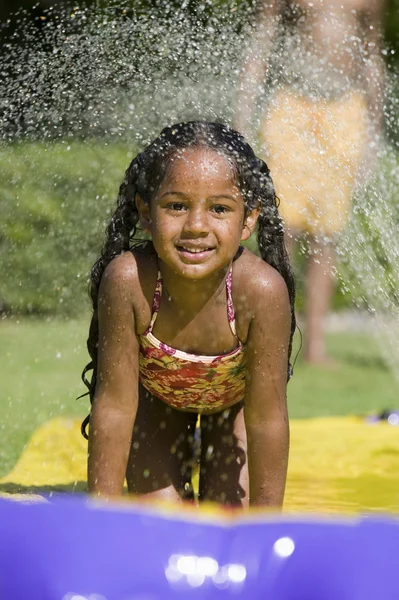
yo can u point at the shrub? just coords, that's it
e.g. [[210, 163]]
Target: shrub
[[55, 201]]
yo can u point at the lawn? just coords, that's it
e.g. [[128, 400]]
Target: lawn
[[41, 362]]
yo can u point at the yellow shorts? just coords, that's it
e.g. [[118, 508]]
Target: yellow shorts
[[314, 149]]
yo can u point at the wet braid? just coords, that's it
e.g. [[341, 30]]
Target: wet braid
[[120, 233], [272, 246]]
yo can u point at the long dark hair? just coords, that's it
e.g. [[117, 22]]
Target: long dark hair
[[144, 175]]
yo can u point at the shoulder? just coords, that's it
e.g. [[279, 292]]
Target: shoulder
[[131, 269], [260, 293], [116, 293], [257, 281], [128, 282], [119, 274]]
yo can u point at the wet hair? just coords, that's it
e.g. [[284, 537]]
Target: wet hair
[[144, 176]]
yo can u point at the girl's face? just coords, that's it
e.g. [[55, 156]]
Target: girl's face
[[196, 218]]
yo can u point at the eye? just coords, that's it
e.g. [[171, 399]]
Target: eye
[[176, 206], [220, 209]]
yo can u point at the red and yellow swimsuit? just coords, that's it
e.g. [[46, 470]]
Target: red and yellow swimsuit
[[191, 381]]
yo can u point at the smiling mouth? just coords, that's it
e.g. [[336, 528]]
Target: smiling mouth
[[192, 254]]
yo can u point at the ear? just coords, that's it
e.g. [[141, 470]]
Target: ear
[[144, 214], [249, 224]]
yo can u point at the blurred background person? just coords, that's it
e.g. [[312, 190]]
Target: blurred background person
[[311, 95]]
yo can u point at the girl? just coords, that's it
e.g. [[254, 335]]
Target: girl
[[192, 324]]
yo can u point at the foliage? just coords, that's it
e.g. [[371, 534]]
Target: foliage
[[55, 202], [392, 25], [369, 250]]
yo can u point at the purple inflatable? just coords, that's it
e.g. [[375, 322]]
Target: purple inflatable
[[75, 549]]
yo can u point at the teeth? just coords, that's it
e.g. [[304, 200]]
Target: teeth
[[194, 251]]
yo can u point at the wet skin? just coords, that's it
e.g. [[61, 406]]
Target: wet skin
[[196, 222], [198, 207]]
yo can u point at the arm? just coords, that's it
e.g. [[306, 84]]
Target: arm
[[265, 407], [253, 73], [116, 396]]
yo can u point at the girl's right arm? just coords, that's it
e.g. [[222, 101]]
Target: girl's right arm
[[116, 395]]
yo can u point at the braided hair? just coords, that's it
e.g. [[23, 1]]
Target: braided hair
[[144, 176]]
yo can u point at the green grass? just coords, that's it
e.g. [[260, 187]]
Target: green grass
[[40, 366], [41, 362], [359, 382]]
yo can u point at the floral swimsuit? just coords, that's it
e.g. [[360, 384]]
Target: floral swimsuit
[[191, 381]]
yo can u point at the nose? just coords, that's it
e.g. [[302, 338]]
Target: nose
[[196, 222]]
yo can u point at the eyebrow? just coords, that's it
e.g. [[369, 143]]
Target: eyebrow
[[187, 197], [179, 194], [221, 196]]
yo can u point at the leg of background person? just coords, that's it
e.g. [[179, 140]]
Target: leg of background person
[[319, 287]]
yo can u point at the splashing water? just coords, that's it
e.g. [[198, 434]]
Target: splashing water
[[370, 254], [121, 72], [81, 95]]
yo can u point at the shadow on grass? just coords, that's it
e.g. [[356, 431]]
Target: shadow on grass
[[78, 487], [364, 361]]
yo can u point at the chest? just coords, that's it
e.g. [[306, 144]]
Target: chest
[[208, 331]]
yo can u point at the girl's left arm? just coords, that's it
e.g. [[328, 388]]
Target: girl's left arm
[[265, 407]]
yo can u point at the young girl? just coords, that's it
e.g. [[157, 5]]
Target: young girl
[[191, 323]]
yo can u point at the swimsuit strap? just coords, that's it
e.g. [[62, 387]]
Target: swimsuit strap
[[156, 302], [230, 306]]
